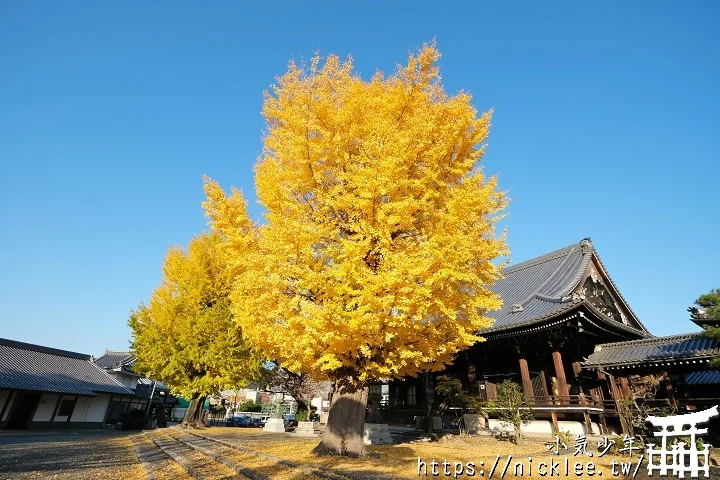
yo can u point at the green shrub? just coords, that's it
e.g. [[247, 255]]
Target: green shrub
[[249, 406], [301, 415]]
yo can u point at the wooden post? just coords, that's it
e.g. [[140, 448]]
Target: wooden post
[[577, 370], [543, 385], [601, 395], [428, 394], [560, 373], [670, 390], [617, 395], [526, 382], [625, 386], [472, 380]]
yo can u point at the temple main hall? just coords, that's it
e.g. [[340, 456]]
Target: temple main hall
[[569, 337]]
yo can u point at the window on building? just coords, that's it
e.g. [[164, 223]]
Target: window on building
[[66, 408], [411, 395]]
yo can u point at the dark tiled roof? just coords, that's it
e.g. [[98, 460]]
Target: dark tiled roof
[[148, 382], [24, 366], [112, 359], [540, 288], [705, 377], [674, 347]]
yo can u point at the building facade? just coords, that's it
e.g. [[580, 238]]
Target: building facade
[[47, 388], [120, 366], [557, 309]]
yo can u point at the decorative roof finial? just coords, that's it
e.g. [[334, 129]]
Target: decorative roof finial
[[586, 245]]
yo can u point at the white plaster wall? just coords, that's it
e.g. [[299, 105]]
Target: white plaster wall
[[129, 381], [97, 408], [60, 418], [3, 398], [46, 407], [540, 427], [81, 409]]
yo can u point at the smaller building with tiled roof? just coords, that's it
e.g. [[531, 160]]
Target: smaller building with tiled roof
[[121, 366], [685, 349], [43, 387]]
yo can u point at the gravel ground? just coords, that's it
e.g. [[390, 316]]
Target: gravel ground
[[82, 456]]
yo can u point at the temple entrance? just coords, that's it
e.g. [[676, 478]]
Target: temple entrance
[[22, 410]]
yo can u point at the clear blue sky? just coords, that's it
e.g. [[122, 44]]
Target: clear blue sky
[[607, 125]]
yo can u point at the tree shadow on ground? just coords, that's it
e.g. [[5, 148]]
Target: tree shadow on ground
[[45, 453]]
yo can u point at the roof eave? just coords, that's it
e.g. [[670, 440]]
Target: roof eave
[[649, 363], [519, 327], [614, 323]]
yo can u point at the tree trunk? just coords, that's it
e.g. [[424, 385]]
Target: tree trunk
[[193, 415], [344, 431], [302, 406]]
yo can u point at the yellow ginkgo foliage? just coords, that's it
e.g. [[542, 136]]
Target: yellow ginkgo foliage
[[377, 254], [185, 336]]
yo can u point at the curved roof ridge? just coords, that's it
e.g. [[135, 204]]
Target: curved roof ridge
[[548, 279], [577, 278], [541, 259]]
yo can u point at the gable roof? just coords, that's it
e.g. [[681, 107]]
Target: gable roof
[[115, 359], [686, 347], [24, 366], [124, 360], [540, 289]]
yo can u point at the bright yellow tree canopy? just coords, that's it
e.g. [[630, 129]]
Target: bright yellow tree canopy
[[378, 250], [185, 336]]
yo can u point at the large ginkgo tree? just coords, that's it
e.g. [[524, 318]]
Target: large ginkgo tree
[[379, 242]]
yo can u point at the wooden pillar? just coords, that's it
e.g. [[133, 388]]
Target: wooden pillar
[[617, 395], [577, 370], [548, 402], [670, 390], [429, 393], [560, 374], [526, 382], [625, 386], [563, 391], [603, 423], [543, 386], [553, 418], [472, 381]]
